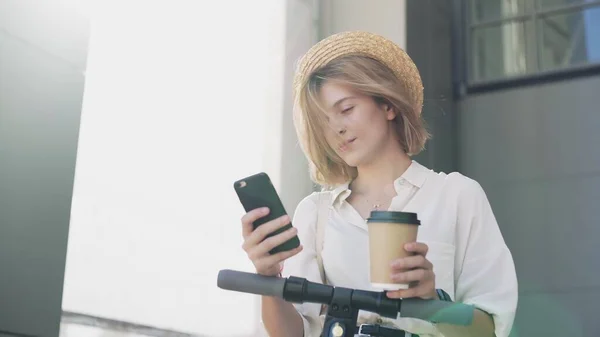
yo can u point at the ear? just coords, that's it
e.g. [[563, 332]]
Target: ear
[[390, 113]]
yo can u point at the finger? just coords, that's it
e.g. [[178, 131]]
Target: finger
[[260, 233], [393, 294], [264, 247], [403, 293], [281, 256], [424, 290], [417, 248], [272, 262], [411, 262], [417, 275], [249, 218]]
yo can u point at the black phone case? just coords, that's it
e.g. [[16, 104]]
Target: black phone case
[[258, 191]]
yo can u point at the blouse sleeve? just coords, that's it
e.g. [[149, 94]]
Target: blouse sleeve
[[304, 264], [485, 274]]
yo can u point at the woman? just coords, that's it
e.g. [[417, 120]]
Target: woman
[[358, 98]]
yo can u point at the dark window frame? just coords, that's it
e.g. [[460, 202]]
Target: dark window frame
[[462, 27]]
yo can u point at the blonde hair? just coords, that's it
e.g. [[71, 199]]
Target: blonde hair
[[369, 77]]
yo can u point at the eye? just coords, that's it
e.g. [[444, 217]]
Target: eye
[[347, 109]]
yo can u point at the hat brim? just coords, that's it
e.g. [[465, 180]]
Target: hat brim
[[367, 44]]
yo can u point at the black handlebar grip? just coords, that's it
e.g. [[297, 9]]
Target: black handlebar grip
[[250, 283]]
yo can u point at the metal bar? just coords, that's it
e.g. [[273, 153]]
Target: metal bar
[[537, 78], [498, 22]]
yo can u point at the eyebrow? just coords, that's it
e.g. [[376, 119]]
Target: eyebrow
[[342, 100]]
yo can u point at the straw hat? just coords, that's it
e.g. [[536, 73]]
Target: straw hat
[[367, 44]]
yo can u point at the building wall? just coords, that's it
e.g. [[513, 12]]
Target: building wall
[[43, 47], [535, 151], [385, 17], [429, 44]]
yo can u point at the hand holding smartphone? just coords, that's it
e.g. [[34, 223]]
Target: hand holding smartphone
[[257, 191]]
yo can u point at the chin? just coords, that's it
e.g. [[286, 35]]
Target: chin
[[352, 159]]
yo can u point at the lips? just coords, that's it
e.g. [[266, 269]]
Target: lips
[[344, 146]]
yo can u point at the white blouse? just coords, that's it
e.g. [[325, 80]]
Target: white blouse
[[470, 259]]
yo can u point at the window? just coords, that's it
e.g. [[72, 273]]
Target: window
[[511, 39]]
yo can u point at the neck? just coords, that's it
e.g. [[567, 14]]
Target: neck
[[381, 173]]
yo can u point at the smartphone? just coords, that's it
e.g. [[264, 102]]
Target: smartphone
[[257, 191]]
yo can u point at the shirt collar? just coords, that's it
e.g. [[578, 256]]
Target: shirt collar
[[415, 174]]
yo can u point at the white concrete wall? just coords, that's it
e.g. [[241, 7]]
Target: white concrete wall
[[175, 110], [384, 17], [301, 34]]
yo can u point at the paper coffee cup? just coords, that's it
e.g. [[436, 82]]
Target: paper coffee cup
[[388, 233]]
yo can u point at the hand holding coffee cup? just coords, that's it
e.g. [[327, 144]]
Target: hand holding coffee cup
[[397, 262], [415, 270]]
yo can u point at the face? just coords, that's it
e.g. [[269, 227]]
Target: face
[[357, 127]]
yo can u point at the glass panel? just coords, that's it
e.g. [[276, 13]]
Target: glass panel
[[545, 4], [499, 51], [570, 39], [485, 10]]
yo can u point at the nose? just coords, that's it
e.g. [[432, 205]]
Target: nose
[[337, 125]]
